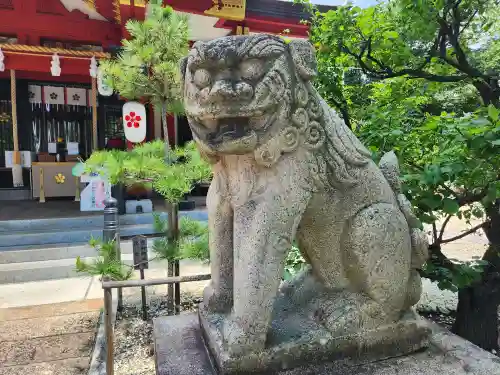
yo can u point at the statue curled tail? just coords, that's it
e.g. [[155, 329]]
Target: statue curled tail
[[390, 168]]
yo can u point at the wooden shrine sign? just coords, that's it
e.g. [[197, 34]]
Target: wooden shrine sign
[[140, 251]]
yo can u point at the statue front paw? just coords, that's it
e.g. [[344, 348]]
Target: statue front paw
[[350, 313], [240, 340]]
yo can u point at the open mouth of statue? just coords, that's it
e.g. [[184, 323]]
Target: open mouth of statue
[[223, 129]]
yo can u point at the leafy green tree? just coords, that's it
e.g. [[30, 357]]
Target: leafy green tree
[[429, 39], [419, 59], [147, 67]]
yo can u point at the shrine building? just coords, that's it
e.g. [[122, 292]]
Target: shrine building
[[49, 53]]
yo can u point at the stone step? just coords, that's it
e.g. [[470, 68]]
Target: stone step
[[71, 366], [55, 252], [23, 234], [55, 269], [80, 236], [24, 329], [91, 221], [46, 349]]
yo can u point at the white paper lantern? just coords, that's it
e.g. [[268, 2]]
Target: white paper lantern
[[103, 89], [134, 122]]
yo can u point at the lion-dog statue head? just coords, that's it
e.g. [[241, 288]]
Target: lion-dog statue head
[[245, 94], [238, 90]]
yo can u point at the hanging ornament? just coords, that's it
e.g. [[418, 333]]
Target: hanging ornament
[[93, 67], [134, 122], [55, 65], [102, 87], [2, 58]]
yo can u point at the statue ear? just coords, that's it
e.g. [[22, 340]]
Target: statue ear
[[182, 68], [303, 56]]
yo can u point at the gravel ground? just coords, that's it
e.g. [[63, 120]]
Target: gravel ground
[[434, 299], [134, 352]]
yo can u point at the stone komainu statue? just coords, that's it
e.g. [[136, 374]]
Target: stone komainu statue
[[286, 167]]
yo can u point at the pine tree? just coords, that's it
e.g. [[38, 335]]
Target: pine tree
[[148, 66]]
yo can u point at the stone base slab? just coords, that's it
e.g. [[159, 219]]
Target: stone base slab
[[180, 350], [294, 340]]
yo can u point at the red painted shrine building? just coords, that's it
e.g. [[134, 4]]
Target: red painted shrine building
[[48, 53]]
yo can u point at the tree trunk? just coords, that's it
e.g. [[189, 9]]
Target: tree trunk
[[477, 315], [165, 126], [173, 264], [477, 311], [489, 92]]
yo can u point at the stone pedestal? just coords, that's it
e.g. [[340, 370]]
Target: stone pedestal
[[180, 350], [295, 339]]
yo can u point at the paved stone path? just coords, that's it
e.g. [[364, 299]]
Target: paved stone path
[[53, 339], [49, 327]]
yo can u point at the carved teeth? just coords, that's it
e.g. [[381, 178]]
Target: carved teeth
[[257, 122], [210, 123]]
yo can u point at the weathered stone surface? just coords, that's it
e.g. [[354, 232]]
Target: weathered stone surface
[[447, 355], [179, 347], [70, 366], [294, 339], [55, 325], [45, 349], [286, 167]]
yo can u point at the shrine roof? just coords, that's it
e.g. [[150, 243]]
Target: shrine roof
[[279, 9]]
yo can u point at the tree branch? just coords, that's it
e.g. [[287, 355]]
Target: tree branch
[[443, 227], [369, 55], [434, 234], [387, 72], [453, 37], [467, 24], [464, 234], [472, 198]]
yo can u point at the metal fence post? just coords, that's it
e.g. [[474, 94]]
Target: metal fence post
[[111, 231]]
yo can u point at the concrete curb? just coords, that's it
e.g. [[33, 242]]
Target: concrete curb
[[98, 360], [471, 357]]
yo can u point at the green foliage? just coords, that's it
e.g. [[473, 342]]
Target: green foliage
[[449, 167], [420, 78], [460, 276], [192, 242], [442, 158], [294, 263], [455, 43], [187, 169], [147, 67], [145, 164], [106, 263]]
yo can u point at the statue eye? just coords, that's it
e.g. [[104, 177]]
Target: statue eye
[[251, 69], [202, 78]]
